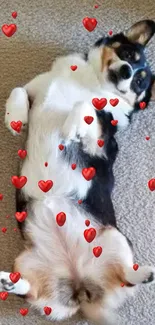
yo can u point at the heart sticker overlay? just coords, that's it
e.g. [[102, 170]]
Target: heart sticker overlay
[[1, 196], [88, 173], [110, 32], [9, 30], [100, 143], [14, 277], [88, 119], [4, 295], [114, 102], [61, 218], [47, 310], [97, 251], [142, 105], [79, 201], [19, 182], [89, 23], [73, 67], [99, 103], [22, 153], [151, 184], [135, 267], [87, 223], [16, 126], [24, 311], [122, 284], [73, 166], [14, 14], [61, 147], [46, 164], [114, 122], [89, 234], [21, 216], [4, 229], [45, 186], [147, 138], [96, 6]]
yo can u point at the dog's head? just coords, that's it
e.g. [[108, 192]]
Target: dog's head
[[124, 68]]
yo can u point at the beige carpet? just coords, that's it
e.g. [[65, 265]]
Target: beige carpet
[[47, 28]]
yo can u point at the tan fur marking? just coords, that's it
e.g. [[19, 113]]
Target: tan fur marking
[[108, 56], [115, 45], [143, 74], [115, 276]]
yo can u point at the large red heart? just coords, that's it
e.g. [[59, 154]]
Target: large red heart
[[22, 153], [151, 184], [88, 173], [97, 251], [89, 23], [9, 30], [24, 311], [99, 103], [21, 216], [47, 310], [45, 186], [90, 234], [4, 295], [16, 126], [61, 218], [73, 67], [114, 101], [88, 119], [19, 182], [14, 277]]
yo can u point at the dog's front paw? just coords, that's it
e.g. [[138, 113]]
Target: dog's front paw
[[5, 283]]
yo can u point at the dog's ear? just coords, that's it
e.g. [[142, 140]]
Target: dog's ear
[[153, 89], [141, 32]]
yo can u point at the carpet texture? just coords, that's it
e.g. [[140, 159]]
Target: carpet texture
[[46, 29]]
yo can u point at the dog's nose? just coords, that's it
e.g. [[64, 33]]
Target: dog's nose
[[125, 71]]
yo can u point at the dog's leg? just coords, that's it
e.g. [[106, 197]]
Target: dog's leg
[[144, 274], [21, 287]]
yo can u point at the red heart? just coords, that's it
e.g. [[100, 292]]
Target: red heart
[[22, 153], [89, 23], [97, 251], [9, 30], [47, 310], [24, 311], [89, 234], [16, 126], [4, 229], [100, 143], [14, 277], [99, 103], [73, 67], [135, 267], [46, 164], [114, 122], [1, 197], [61, 147], [21, 216], [96, 6], [73, 166], [151, 184], [88, 119], [61, 219], [142, 105], [114, 102], [110, 32], [4, 295], [19, 182], [87, 223], [45, 186], [147, 138], [14, 14], [79, 201], [88, 173], [122, 284]]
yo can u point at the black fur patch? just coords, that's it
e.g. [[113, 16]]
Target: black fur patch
[[21, 205]]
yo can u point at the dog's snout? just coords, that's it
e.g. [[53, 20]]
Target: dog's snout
[[125, 71]]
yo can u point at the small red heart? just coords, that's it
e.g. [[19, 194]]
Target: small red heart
[[100, 143], [46, 164], [96, 6], [45, 186], [151, 184], [47, 310], [73, 67], [79, 201], [22, 153], [14, 14], [21, 216], [99, 103], [4, 229], [24, 311], [19, 182], [88, 119], [89, 23], [7, 216], [147, 138], [15, 229], [87, 223], [61, 147], [4, 295], [73, 166], [16, 126], [135, 267], [142, 105], [122, 284], [97, 251], [14, 277], [61, 219], [88, 173], [9, 30], [1, 197], [114, 122], [90, 234], [114, 102], [110, 32]]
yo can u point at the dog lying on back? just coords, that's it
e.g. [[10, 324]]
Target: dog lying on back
[[71, 125]]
